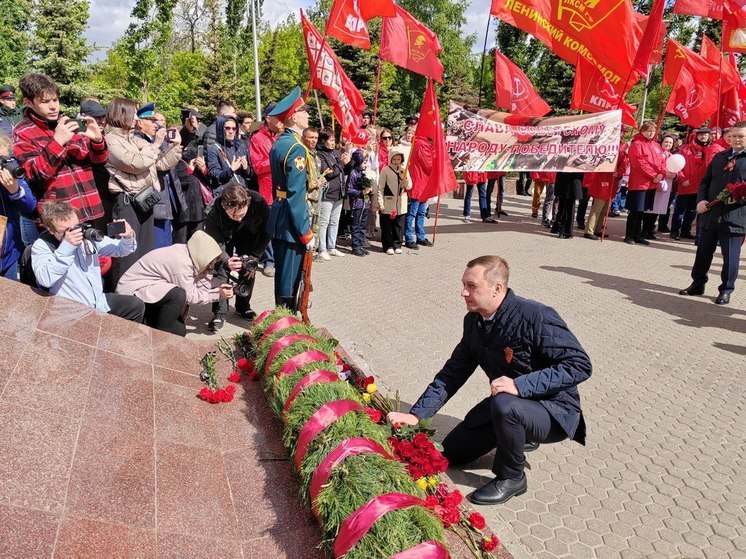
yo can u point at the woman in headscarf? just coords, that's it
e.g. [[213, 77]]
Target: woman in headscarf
[[392, 201]]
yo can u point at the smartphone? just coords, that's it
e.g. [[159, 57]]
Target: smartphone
[[201, 151], [82, 124], [171, 134], [115, 229]]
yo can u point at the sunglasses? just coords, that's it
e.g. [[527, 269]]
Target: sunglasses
[[386, 138], [233, 204], [229, 127]]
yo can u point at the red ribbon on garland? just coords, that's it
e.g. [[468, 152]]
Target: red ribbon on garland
[[282, 324], [425, 550], [314, 377], [345, 449], [282, 343], [359, 522], [262, 316], [294, 363], [320, 420]]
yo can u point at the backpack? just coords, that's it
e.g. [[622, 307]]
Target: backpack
[[25, 269]]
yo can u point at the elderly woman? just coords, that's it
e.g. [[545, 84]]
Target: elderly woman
[[167, 279], [647, 163], [392, 202], [133, 166]]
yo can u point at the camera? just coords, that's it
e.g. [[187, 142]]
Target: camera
[[12, 166], [90, 233], [241, 286], [171, 134]]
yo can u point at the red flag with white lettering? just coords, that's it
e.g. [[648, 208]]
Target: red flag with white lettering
[[409, 44], [347, 102], [692, 100], [592, 92], [347, 24], [708, 8], [514, 91], [442, 178]]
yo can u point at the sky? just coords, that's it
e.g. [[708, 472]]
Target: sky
[[109, 19]]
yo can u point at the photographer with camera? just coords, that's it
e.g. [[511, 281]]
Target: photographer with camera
[[64, 259], [57, 152], [237, 221], [169, 279], [15, 199]]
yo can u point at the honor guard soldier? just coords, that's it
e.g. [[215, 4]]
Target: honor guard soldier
[[289, 223]]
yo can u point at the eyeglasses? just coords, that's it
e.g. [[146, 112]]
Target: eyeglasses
[[233, 204], [386, 138], [230, 127]]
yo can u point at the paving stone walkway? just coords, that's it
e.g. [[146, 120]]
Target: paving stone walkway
[[663, 475]]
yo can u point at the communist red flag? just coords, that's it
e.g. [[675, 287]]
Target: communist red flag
[[408, 43], [734, 26], [442, 178], [592, 92], [708, 8], [347, 19], [678, 56], [651, 39], [729, 76], [691, 99], [606, 33], [514, 91], [330, 78]]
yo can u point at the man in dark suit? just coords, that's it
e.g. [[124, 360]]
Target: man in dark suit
[[533, 363], [725, 222]]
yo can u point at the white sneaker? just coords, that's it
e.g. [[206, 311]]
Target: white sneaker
[[397, 251], [335, 252], [324, 256], [390, 252], [466, 219]]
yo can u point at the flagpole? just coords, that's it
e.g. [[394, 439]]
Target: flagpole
[[720, 86], [378, 84], [257, 92], [645, 97], [435, 226], [318, 108], [484, 54]]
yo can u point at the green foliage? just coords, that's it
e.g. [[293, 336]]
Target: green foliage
[[59, 48], [15, 38]]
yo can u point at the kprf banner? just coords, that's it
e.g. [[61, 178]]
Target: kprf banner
[[496, 141]]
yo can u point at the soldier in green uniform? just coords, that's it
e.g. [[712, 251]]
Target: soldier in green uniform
[[289, 223]]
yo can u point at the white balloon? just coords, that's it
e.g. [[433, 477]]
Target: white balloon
[[675, 163]]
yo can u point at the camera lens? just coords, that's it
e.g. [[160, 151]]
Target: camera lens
[[93, 234], [13, 168]]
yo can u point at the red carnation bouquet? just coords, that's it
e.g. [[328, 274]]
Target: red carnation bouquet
[[733, 192]]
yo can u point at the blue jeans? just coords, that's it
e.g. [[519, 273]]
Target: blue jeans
[[329, 224], [12, 272], [29, 232], [500, 193], [685, 210], [620, 200], [268, 256], [415, 221], [163, 233], [482, 191], [359, 223]]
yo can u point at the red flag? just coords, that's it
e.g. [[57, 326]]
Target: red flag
[[408, 43], [330, 78], [678, 56], [606, 33], [708, 8], [729, 76], [514, 91], [651, 39], [734, 32], [442, 178], [731, 101], [347, 24], [691, 100], [376, 8], [592, 92]]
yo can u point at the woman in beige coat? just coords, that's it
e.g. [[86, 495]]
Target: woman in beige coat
[[133, 166], [392, 201]]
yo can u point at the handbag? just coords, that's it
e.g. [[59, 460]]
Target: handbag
[[144, 200]]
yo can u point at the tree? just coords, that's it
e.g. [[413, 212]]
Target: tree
[[15, 39], [59, 48]]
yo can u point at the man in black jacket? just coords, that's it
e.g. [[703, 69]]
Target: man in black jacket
[[725, 222], [533, 363]]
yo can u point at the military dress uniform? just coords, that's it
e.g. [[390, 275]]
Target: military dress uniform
[[289, 225]]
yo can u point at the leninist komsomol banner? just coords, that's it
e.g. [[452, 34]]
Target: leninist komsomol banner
[[495, 141]]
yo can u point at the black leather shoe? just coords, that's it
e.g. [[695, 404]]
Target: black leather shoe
[[723, 299], [530, 446], [693, 290], [641, 241], [687, 236], [629, 240], [216, 323], [498, 491], [424, 242], [413, 246], [247, 314], [358, 252], [590, 236]]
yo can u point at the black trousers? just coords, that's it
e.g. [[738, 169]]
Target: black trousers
[[564, 219], [582, 208], [391, 231], [730, 246], [126, 306], [504, 423], [634, 225], [243, 303], [166, 314], [142, 225], [183, 230]]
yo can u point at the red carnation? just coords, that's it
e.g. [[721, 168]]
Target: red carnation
[[368, 381], [450, 517], [453, 499], [230, 389], [477, 520], [375, 415], [235, 376], [491, 543], [245, 365], [431, 502], [205, 394]]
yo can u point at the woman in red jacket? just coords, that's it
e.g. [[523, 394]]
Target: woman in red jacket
[[647, 168]]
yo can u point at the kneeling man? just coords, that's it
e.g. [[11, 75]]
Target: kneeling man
[[533, 363]]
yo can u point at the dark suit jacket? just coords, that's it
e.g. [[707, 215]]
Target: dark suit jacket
[[530, 343], [724, 218]]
